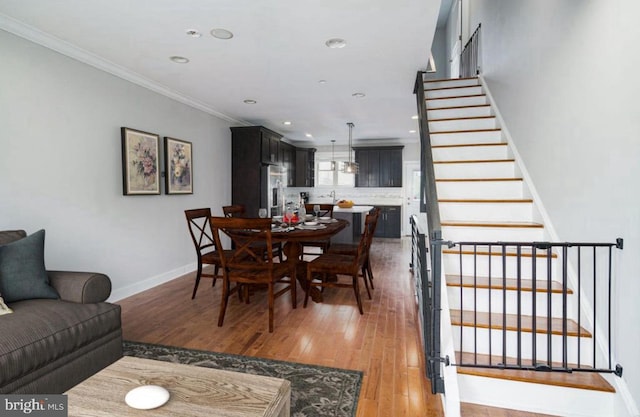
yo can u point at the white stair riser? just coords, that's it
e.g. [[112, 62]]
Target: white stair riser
[[454, 92], [465, 138], [460, 153], [522, 212], [475, 170], [535, 398], [462, 124], [430, 85], [492, 234], [479, 189], [478, 111], [509, 300], [481, 266], [456, 102], [477, 340]]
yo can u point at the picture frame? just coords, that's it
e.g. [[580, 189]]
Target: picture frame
[[178, 159], [140, 162]]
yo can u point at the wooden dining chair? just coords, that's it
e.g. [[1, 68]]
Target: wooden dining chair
[[371, 221], [326, 210], [334, 264], [238, 210], [202, 237], [248, 266], [234, 210]]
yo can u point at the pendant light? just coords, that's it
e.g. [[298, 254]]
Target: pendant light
[[350, 167], [333, 155]]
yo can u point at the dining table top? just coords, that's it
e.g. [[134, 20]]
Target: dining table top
[[300, 232]]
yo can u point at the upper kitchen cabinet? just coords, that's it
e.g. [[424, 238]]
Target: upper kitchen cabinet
[[288, 160], [305, 169], [379, 167], [269, 146]]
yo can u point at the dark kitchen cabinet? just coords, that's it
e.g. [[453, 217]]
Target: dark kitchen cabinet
[[379, 167], [305, 168], [389, 222], [252, 148], [269, 146], [288, 160]]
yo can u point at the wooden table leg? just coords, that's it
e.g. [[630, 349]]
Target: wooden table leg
[[293, 250]]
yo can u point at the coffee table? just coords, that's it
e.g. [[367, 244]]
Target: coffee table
[[195, 391]]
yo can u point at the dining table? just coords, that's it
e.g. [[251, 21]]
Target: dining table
[[292, 236]]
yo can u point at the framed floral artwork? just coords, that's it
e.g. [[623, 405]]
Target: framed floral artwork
[[140, 159], [178, 161]]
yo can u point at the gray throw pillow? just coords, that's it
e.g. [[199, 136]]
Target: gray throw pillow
[[22, 272]]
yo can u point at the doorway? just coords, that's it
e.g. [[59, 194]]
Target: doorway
[[411, 193]]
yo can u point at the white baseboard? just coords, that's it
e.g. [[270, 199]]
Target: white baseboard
[[150, 282]]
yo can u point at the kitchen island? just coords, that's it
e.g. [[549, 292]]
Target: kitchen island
[[355, 216]]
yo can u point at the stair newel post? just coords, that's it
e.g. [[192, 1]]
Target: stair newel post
[[595, 305], [475, 303], [461, 300], [490, 308], [519, 298], [534, 304], [565, 261], [549, 311], [504, 304]]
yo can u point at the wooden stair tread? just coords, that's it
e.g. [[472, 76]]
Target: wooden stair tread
[[582, 380], [450, 119], [475, 161], [474, 223], [497, 251], [488, 201], [458, 107], [468, 318], [468, 145], [447, 132], [479, 410], [497, 283], [476, 179]]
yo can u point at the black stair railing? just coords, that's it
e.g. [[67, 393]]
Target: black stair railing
[[426, 260], [469, 58], [528, 319]]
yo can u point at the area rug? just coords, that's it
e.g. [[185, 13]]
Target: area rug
[[315, 390]]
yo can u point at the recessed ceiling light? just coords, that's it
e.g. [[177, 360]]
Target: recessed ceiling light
[[412, 131], [322, 81], [193, 33], [221, 33], [249, 101], [358, 95], [286, 123], [179, 59], [414, 117], [309, 135], [336, 43]]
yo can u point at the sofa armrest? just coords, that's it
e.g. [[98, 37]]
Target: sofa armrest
[[81, 287]]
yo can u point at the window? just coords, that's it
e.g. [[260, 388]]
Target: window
[[332, 178]]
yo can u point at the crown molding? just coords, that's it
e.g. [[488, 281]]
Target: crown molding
[[35, 35]]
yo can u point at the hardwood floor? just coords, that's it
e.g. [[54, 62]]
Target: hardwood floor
[[383, 343]]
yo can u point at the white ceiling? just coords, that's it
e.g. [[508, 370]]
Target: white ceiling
[[277, 57]]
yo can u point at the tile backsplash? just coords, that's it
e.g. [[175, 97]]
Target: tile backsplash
[[392, 196]]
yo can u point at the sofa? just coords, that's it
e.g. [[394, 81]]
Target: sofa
[[55, 334]]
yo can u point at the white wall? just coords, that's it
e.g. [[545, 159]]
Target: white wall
[[563, 73], [439, 51], [60, 167]]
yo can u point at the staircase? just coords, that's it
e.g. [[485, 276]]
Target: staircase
[[483, 198]]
